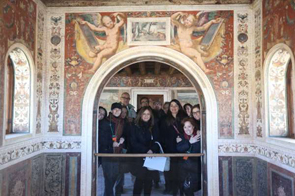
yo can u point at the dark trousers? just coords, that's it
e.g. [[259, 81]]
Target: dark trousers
[[172, 181], [143, 182], [111, 173]]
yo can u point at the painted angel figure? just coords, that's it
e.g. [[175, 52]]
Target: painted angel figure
[[109, 47], [187, 24]]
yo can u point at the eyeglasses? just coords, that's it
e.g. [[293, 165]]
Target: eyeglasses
[[125, 98], [196, 112]]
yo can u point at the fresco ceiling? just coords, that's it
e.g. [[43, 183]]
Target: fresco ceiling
[[78, 3]]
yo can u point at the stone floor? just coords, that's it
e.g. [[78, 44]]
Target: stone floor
[[128, 185]]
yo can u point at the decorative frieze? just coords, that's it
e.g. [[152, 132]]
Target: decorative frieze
[[278, 156], [242, 76], [23, 150], [55, 72], [258, 115], [40, 59]]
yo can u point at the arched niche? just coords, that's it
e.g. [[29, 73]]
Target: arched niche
[[159, 54], [278, 59]]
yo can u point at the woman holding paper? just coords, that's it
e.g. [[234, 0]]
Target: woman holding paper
[[189, 142], [144, 134]]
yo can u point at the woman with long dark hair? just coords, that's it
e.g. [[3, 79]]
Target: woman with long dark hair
[[171, 127], [196, 114], [189, 142], [144, 134], [188, 109]]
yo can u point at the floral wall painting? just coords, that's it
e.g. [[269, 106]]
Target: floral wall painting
[[281, 184], [278, 125], [148, 31], [98, 37]]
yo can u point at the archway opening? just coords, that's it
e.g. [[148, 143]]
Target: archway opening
[[147, 83], [174, 59]]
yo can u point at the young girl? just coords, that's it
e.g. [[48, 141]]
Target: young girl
[[189, 142]]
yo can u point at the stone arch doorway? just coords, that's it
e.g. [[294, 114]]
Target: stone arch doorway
[[160, 54]]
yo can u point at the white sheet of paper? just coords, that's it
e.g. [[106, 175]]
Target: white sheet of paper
[[155, 163]]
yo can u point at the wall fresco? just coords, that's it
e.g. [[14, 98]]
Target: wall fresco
[[242, 76], [88, 44], [21, 92], [150, 81], [277, 104], [14, 17], [278, 24], [73, 173], [40, 62], [258, 115], [54, 71], [225, 176]]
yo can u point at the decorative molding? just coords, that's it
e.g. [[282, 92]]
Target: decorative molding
[[23, 149], [258, 115], [40, 62], [242, 75], [55, 67], [273, 155]]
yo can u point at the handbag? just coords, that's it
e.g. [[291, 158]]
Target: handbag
[[157, 163]]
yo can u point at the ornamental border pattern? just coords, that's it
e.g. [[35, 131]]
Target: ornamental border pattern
[[40, 61], [271, 153], [11, 154], [258, 115], [242, 86], [55, 66]]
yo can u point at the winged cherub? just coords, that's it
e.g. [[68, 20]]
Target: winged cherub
[[186, 25]]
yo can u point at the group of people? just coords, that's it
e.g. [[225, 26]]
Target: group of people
[[175, 127]]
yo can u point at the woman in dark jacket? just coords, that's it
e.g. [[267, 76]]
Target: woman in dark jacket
[[111, 141], [189, 142], [144, 134], [196, 114], [170, 129]]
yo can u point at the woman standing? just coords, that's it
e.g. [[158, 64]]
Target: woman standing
[[171, 128], [111, 141], [196, 114], [144, 134], [189, 142], [188, 109]]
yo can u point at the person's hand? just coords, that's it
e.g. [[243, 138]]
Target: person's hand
[[82, 22], [150, 152], [121, 140], [178, 139], [195, 139], [116, 144]]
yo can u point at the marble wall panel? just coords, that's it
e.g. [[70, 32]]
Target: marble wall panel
[[73, 174], [261, 178], [281, 181], [225, 176], [17, 179], [54, 175], [37, 185], [243, 176]]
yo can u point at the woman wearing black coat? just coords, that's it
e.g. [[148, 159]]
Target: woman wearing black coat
[[189, 142], [170, 129], [144, 134]]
